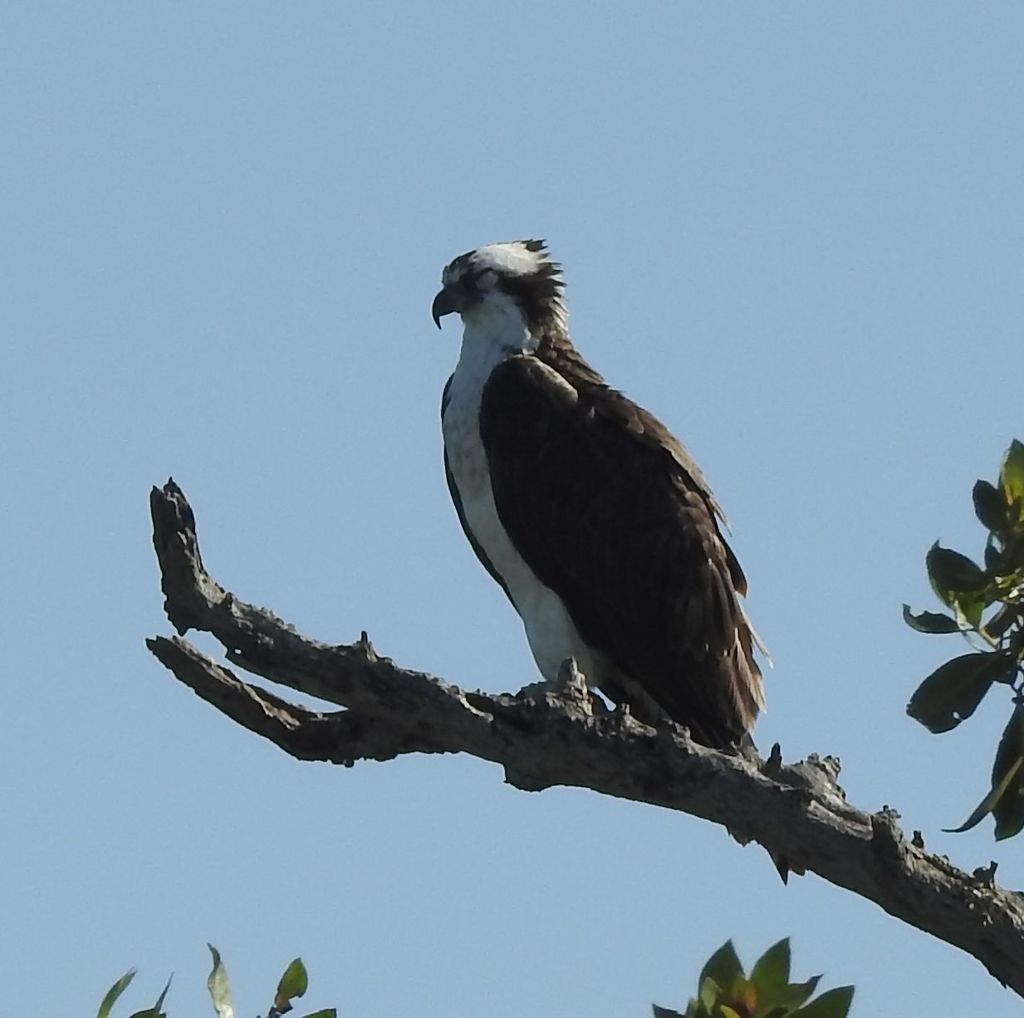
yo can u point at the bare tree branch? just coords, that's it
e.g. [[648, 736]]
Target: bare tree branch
[[544, 737]]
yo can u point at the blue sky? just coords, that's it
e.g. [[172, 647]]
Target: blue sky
[[793, 231]]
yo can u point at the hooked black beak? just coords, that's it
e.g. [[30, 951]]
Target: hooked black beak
[[443, 305]]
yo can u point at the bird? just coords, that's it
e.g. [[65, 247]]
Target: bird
[[590, 515]]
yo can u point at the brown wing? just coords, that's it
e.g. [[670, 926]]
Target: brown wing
[[597, 497]]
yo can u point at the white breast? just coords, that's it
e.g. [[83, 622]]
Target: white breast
[[549, 629]]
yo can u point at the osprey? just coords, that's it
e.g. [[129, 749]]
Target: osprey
[[583, 507]]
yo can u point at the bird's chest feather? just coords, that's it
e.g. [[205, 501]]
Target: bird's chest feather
[[481, 353], [467, 459], [549, 629], [468, 463]]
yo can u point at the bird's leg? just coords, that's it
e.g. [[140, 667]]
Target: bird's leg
[[571, 682], [570, 686]]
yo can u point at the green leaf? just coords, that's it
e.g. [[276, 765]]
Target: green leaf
[[743, 994], [1011, 479], [1008, 810], [771, 970], [950, 572], [217, 984], [156, 1011], [960, 584], [727, 1012], [1002, 620], [159, 1005], [929, 622], [986, 805], [709, 993], [1013, 555], [969, 608], [989, 507], [831, 1004], [115, 991], [995, 560], [293, 983], [952, 692], [723, 967], [790, 996]]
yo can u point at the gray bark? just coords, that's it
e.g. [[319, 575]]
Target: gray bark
[[543, 737]]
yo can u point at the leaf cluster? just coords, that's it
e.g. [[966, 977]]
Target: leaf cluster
[[725, 991], [292, 984], [986, 605]]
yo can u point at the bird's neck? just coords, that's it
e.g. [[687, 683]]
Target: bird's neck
[[497, 329], [494, 331]]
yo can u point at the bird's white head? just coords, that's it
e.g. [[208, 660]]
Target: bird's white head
[[515, 280]]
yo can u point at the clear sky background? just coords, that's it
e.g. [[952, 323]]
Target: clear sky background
[[793, 231]]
